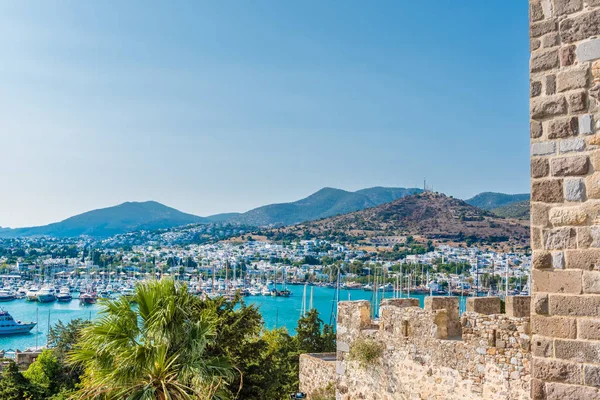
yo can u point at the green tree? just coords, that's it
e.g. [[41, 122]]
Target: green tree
[[313, 336], [14, 386], [157, 350], [44, 373]]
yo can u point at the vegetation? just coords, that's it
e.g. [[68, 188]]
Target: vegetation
[[365, 351], [172, 345]]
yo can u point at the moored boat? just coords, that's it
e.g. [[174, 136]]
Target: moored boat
[[8, 325], [7, 295], [87, 298], [64, 295], [46, 295]]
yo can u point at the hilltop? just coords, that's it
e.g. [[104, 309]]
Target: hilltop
[[324, 203], [433, 216], [105, 222]]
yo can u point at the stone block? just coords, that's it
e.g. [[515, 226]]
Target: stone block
[[560, 128], [343, 347], [592, 183], [550, 85], [448, 303], [540, 167], [560, 238], [541, 259], [570, 166], [574, 190], [591, 282], [574, 306], [544, 60], [564, 216], [557, 370], [534, 44], [543, 148], [579, 27], [585, 259], [535, 129], [586, 124], [577, 350], [558, 260], [562, 7], [538, 390], [577, 101], [567, 55], [536, 238], [547, 191], [354, 315], [536, 12], [540, 304], [591, 375], [572, 78], [595, 158], [542, 346], [540, 215], [558, 281], [588, 329], [561, 391], [588, 51], [571, 145], [584, 237], [554, 327], [550, 40], [518, 306], [484, 305], [544, 107], [538, 29], [535, 88]]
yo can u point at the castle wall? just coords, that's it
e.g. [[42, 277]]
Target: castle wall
[[565, 194], [317, 372], [424, 358]]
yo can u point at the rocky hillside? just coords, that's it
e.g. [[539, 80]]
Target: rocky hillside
[[429, 215]]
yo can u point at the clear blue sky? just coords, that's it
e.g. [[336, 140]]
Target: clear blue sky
[[224, 106]]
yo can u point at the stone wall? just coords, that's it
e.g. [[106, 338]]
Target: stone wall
[[565, 190], [317, 372], [432, 353]]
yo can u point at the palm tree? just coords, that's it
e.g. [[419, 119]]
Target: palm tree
[[156, 350]]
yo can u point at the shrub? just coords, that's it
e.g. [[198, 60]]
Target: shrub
[[366, 351]]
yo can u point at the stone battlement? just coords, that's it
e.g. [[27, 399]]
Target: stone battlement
[[434, 352]]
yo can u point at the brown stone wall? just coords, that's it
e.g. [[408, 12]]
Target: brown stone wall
[[565, 189], [489, 359], [317, 372]]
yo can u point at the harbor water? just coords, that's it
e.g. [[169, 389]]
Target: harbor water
[[276, 311]]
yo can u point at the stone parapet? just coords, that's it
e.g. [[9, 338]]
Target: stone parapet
[[489, 358]]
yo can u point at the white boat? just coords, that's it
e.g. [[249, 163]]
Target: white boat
[[64, 295], [7, 295], [8, 326], [32, 293], [46, 295]]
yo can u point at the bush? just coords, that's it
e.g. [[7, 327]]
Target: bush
[[326, 393], [366, 351]]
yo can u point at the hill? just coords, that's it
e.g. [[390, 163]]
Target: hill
[[518, 210], [105, 222], [490, 200], [325, 203], [432, 216]]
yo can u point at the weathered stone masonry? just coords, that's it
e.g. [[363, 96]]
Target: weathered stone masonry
[[433, 353], [565, 189]]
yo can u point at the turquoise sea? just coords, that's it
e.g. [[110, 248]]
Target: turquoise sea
[[276, 311]]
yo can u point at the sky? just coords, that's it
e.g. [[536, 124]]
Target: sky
[[220, 106]]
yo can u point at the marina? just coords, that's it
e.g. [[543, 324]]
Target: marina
[[277, 311]]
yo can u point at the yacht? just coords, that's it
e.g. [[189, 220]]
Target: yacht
[[32, 294], [64, 295], [87, 298], [8, 326], [46, 295], [7, 295]]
